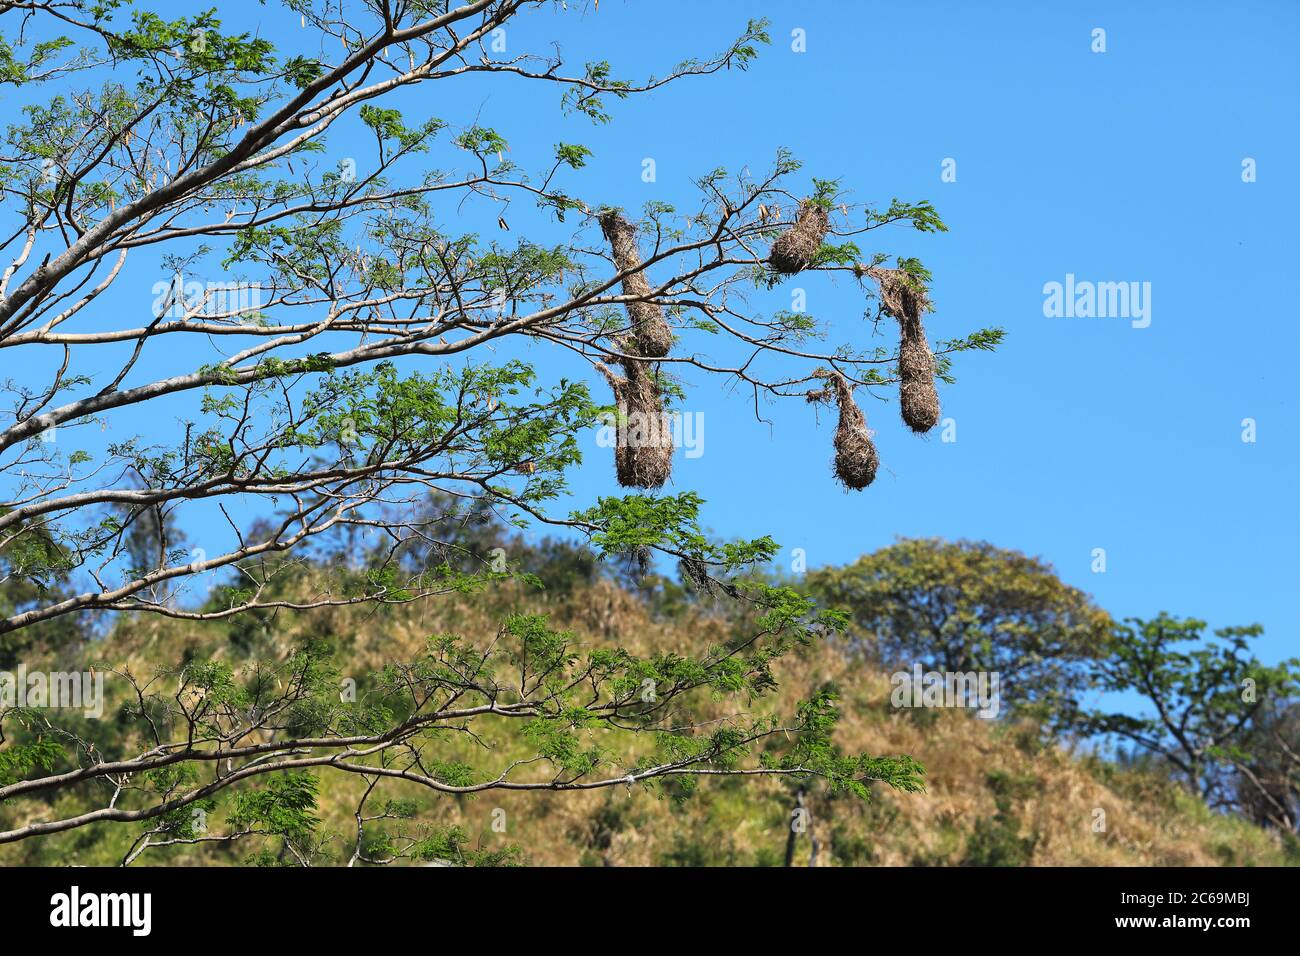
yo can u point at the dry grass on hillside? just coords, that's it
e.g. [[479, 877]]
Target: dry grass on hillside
[[1049, 797]]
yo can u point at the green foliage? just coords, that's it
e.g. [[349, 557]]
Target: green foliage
[[814, 751], [35, 566], [18, 760], [450, 844], [966, 606], [669, 523], [343, 402], [285, 806], [1202, 694], [301, 71], [996, 840], [826, 193], [921, 215], [573, 155]]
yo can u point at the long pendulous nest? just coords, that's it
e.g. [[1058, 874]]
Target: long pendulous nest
[[643, 454], [651, 336], [795, 249], [917, 395], [855, 453], [904, 298]]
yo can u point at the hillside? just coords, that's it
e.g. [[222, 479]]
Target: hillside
[[997, 792]]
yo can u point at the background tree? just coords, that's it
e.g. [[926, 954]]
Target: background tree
[[32, 574], [969, 606], [1205, 696], [1267, 765], [326, 334]]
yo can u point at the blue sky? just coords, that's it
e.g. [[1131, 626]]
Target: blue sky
[[1079, 433], [1125, 165]]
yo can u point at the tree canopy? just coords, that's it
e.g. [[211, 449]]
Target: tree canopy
[[966, 606], [320, 358], [1212, 706]]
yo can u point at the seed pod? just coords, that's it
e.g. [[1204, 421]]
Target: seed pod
[[903, 298], [795, 249], [651, 336], [643, 450], [855, 453]]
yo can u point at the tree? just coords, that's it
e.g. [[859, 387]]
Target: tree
[[1267, 765], [1205, 699], [33, 573], [349, 372], [969, 606]]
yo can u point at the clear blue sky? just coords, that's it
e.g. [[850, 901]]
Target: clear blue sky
[[1078, 433]]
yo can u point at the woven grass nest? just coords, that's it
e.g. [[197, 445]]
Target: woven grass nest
[[856, 460], [796, 248], [904, 298], [643, 453], [651, 335]]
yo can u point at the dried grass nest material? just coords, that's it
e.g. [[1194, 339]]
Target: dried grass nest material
[[796, 248], [856, 460], [917, 396], [643, 450], [904, 298], [651, 336]]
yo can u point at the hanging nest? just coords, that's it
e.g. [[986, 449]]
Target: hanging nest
[[795, 249], [643, 451], [917, 395], [855, 453], [651, 336], [904, 298]]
